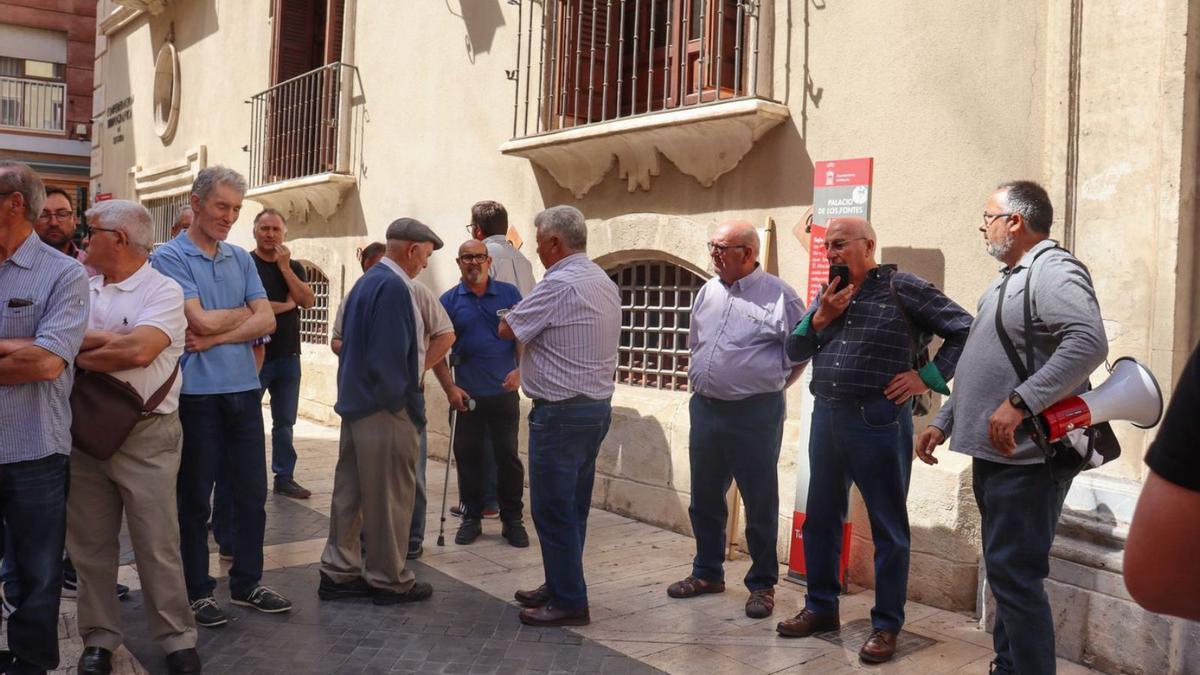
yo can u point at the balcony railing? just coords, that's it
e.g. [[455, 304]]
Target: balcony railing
[[303, 126], [583, 62], [34, 105]]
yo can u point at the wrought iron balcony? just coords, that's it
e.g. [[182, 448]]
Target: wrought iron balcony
[[597, 75], [303, 140], [33, 105]]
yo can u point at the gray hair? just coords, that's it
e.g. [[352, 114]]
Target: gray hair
[[565, 221], [1031, 201], [179, 217], [213, 176], [129, 217], [18, 177]]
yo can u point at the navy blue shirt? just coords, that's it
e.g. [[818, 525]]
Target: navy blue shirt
[[485, 358], [378, 367]]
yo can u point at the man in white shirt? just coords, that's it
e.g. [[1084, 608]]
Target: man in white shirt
[[135, 334]]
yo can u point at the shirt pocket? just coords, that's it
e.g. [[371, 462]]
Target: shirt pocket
[[20, 322], [749, 326]]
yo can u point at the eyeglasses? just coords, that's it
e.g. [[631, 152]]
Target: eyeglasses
[[721, 249], [474, 258], [471, 230], [837, 245], [989, 218], [92, 229], [59, 215]]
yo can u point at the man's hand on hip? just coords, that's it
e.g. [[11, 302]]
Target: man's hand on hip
[[1001, 426], [927, 442], [513, 380], [903, 386]]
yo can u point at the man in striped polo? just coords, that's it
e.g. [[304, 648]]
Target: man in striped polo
[[569, 324]]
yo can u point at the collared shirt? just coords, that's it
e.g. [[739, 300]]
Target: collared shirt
[[1068, 344], [508, 265], [485, 358], [736, 336], [870, 343], [570, 324], [146, 298], [51, 295], [225, 281]]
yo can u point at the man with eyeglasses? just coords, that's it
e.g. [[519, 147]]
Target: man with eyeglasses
[[864, 341], [738, 372], [43, 316], [1019, 498], [488, 374], [56, 225]]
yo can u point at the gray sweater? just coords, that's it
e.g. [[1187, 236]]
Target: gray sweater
[[1068, 340]]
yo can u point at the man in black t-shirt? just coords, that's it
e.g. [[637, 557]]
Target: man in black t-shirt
[[1164, 537], [284, 279]]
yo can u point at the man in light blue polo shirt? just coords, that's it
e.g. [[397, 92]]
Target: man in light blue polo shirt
[[219, 407], [43, 315]]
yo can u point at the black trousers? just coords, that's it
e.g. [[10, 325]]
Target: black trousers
[[497, 418]]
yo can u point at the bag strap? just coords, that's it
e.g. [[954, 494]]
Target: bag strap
[[1024, 370], [157, 397]]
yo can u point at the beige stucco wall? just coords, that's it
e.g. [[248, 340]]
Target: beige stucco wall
[[948, 97]]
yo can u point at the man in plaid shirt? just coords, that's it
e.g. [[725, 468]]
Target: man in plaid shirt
[[861, 342]]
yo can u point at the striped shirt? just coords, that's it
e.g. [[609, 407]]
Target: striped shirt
[[737, 335], [508, 265], [43, 295], [570, 324]]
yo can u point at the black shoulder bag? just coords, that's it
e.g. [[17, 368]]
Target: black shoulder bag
[[1064, 461]]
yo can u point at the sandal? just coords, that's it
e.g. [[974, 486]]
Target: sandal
[[692, 586], [761, 603]]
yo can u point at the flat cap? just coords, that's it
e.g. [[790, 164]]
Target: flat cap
[[411, 229]]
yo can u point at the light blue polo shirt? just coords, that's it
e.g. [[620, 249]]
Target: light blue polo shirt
[[226, 281]]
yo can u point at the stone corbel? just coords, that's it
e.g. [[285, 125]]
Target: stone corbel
[[704, 142], [296, 199]]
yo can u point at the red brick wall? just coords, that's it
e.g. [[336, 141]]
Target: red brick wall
[[76, 18]]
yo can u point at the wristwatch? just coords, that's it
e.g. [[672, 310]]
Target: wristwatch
[[1017, 402]]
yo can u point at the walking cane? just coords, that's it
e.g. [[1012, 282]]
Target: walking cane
[[441, 540]]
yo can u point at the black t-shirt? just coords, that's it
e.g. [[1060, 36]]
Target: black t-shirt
[[1175, 453], [285, 341]]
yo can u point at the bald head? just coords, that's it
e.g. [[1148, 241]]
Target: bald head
[[472, 247], [473, 263], [850, 227], [734, 250], [741, 232]]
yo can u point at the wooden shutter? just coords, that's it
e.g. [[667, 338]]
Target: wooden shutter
[[335, 14], [299, 38]]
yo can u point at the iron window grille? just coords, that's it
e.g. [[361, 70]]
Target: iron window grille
[[164, 211], [656, 313], [314, 321]]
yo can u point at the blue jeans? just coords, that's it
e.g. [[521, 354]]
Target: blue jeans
[[222, 429], [867, 442], [281, 377], [33, 507], [416, 531], [563, 443], [1019, 507], [736, 440]]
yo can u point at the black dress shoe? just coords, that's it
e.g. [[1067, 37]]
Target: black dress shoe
[[184, 662], [329, 590], [417, 592], [515, 534], [549, 615], [95, 661]]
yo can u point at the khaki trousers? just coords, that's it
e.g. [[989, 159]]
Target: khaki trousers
[[138, 480], [373, 489]]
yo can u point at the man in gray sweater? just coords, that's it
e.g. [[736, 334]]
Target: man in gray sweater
[[1019, 499]]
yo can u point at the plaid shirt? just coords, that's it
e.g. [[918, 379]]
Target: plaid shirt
[[864, 348]]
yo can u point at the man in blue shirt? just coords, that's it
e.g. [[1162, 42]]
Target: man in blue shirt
[[487, 373], [219, 407], [383, 411], [43, 315]]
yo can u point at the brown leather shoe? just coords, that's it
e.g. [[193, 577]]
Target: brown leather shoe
[[693, 586], [535, 598], [549, 615], [761, 603], [807, 623], [879, 648]]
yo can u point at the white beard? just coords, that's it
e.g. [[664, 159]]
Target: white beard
[[998, 251]]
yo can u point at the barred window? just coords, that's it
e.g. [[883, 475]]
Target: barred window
[[314, 321], [656, 306], [163, 212]]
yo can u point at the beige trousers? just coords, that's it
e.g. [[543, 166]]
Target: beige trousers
[[138, 480], [373, 489]]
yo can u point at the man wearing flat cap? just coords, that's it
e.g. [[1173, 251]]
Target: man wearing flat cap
[[383, 412]]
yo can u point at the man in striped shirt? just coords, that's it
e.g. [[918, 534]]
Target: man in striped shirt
[[43, 316], [569, 324]]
